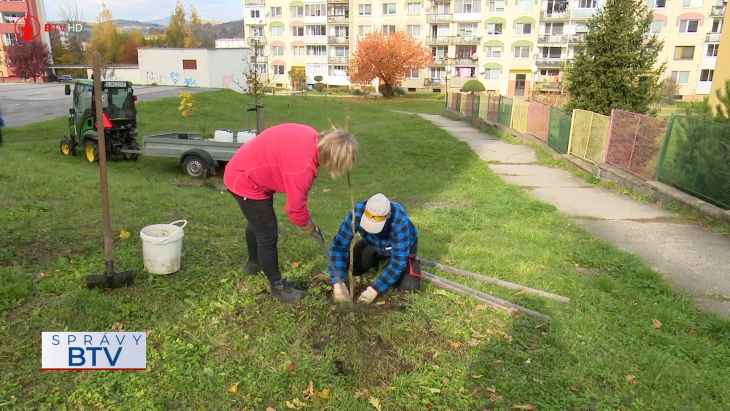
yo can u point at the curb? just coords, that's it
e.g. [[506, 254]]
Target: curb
[[658, 192]]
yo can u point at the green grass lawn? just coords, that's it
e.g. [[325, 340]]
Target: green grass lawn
[[215, 328]]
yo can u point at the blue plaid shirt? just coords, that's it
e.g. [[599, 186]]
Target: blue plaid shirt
[[399, 234]]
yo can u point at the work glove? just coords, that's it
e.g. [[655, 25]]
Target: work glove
[[367, 296], [339, 291]]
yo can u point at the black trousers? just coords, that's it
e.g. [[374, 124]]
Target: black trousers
[[262, 235], [366, 258]]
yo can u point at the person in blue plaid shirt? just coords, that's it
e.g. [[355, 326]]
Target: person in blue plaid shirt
[[387, 236]]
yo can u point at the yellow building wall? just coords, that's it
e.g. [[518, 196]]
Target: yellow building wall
[[722, 69]]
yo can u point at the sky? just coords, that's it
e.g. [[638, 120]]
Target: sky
[[148, 10]]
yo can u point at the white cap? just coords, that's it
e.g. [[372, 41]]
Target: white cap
[[377, 206]]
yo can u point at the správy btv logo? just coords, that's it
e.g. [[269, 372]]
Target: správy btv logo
[[94, 351]]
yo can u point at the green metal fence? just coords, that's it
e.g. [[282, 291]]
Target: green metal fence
[[505, 111], [559, 130], [696, 159], [475, 107]]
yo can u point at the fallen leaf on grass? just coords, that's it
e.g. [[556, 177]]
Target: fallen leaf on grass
[[461, 390], [124, 234], [295, 404], [657, 323], [574, 389], [308, 392], [375, 402], [521, 292], [295, 264], [456, 344], [430, 406], [434, 390], [268, 409], [292, 366], [514, 313], [380, 303], [324, 394], [530, 407], [632, 379], [477, 376], [473, 342], [41, 275], [149, 332], [118, 327], [234, 389], [494, 397], [481, 307], [690, 331], [446, 382]]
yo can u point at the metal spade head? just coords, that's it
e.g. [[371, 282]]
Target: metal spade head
[[117, 280]]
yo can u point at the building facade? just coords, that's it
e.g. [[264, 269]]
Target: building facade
[[722, 72], [10, 12], [513, 47]]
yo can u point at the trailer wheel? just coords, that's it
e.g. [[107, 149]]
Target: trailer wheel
[[131, 144], [194, 166], [91, 149]]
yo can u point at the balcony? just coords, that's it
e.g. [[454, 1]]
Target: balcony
[[555, 15], [341, 61], [547, 62], [254, 40], [338, 40], [548, 85], [439, 40], [434, 82], [464, 62], [717, 11], [338, 19], [467, 40], [584, 14], [552, 39], [577, 38], [338, 1], [262, 59], [439, 61], [255, 2], [435, 18], [713, 37]]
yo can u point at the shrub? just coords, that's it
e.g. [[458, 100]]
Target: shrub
[[398, 91], [368, 89], [319, 86], [358, 92], [473, 85], [318, 78]]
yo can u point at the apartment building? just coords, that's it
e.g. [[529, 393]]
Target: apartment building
[[512, 46], [10, 12]]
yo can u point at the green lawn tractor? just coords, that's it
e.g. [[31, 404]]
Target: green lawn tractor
[[120, 120]]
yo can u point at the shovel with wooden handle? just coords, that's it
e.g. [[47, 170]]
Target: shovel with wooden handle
[[111, 278]]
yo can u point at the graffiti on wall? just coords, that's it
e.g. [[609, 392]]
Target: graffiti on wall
[[225, 81], [175, 77], [150, 78], [189, 81]]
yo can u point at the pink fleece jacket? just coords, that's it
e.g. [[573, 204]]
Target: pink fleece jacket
[[282, 159]]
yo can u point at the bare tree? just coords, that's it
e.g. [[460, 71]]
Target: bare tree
[[255, 81], [70, 11]]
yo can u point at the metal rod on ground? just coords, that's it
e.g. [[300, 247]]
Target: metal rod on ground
[[495, 300], [443, 286], [495, 281]]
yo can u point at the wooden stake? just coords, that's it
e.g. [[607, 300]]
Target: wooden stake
[[354, 238]]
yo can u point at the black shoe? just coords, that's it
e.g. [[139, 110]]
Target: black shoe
[[285, 292], [251, 268]]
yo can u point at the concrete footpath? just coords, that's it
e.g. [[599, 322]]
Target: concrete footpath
[[692, 258]]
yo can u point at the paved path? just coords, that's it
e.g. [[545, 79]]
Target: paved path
[[26, 103], [693, 259]]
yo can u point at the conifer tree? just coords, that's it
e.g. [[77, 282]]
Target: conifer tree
[[616, 65]]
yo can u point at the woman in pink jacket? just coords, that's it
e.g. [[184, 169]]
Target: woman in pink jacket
[[282, 159]]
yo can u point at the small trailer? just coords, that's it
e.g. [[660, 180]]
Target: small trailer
[[196, 154]]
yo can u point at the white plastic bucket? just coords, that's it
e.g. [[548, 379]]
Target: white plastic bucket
[[162, 247]]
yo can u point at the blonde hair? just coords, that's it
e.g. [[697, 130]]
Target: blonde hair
[[337, 151]]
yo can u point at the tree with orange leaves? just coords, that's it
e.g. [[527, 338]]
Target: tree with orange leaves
[[388, 57]]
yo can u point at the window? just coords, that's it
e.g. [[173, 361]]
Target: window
[[414, 73], [342, 31], [467, 30], [298, 51], [494, 29], [656, 27], [276, 12], [522, 52], [12, 17], [549, 72], [587, 4], [680, 77], [717, 25], [339, 71], [277, 50], [689, 26], [340, 11], [388, 8], [551, 52], [315, 10], [365, 10], [581, 28], [491, 74], [341, 51], [467, 6], [494, 52], [712, 50], [554, 29], [684, 52], [278, 69], [526, 5], [436, 72], [10, 39], [706, 75], [439, 52], [297, 11], [259, 50], [257, 32], [316, 30], [388, 29], [363, 31], [190, 64], [524, 29], [441, 8], [414, 8], [414, 30], [693, 3], [316, 50], [658, 4], [261, 68], [297, 31], [496, 6], [255, 14], [277, 31]]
